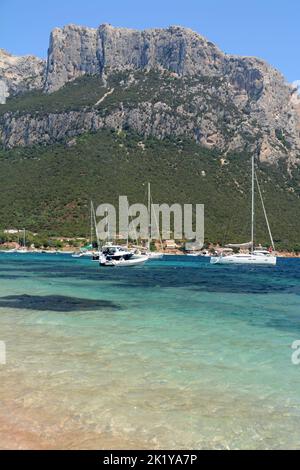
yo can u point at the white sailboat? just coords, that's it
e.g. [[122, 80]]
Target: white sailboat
[[259, 257], [88, 251], [23, 249], [149, 253]]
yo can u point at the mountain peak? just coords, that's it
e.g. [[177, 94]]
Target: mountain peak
[[223, 101], [19, 74], [76, 50]]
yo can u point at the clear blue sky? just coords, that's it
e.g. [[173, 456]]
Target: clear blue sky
[[269, 29]]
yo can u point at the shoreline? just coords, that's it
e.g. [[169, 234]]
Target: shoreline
[[282, 254], [23, 430]]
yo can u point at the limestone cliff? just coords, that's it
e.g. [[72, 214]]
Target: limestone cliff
[[227, 102], [20, 74]]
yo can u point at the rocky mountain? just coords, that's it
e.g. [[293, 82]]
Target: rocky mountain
[[158, 82], [20, 74], [111, 109]]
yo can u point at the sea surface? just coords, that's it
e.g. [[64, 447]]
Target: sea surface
[[176, 354]]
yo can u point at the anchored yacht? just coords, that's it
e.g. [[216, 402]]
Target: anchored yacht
[[117, 255], [254, 256]]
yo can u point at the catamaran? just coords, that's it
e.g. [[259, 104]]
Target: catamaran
[[255, 256]]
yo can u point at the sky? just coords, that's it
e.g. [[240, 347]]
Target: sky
[[268, 29]]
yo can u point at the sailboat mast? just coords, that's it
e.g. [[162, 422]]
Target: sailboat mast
[[108, 227], [92, 222], [93, 213], [252, 206], [149, 215], [265, 212], [24, 237]]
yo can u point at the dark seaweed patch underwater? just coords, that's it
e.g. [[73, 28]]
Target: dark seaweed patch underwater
[[55, 303]]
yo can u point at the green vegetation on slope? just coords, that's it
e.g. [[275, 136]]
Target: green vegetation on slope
[[48, 189], [129, 89], [81, 93]]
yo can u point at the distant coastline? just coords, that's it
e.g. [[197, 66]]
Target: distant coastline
[[175, 252]]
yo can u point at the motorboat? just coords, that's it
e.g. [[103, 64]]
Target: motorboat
[[122, 262], [118, 255]]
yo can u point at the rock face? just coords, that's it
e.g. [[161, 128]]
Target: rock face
[[76, 50], [3, 91], [20, 74], [72, 53], [227, 102]]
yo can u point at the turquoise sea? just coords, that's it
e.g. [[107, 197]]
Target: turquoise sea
[[174, 354]]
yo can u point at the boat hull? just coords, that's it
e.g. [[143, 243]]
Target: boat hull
[[124, 262], [245, 259], [154, 255]]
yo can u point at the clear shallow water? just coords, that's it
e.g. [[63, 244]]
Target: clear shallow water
[[175, 354]]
